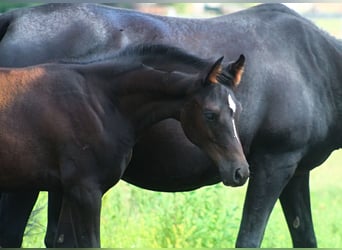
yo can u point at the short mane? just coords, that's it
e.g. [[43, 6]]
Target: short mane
[[161, 51], [155, 54]]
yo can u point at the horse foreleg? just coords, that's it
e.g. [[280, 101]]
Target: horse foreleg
[[15, 210], [63, 229], [79, 221], [54, 208], [264, 188], [295, 201]]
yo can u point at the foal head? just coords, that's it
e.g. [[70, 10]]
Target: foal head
[[209, 109], [158, 82], [209, 121]]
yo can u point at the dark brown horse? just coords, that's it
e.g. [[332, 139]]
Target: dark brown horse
[[70, 128], [290, 96]]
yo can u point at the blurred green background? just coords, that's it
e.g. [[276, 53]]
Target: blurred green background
[[210, 216]]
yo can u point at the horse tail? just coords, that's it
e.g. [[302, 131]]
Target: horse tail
[[5, 22]]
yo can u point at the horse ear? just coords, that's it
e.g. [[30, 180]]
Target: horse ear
[[214, 72], [235, 69]]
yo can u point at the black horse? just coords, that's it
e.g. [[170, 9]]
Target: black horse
[[70, 128], [290, 96]]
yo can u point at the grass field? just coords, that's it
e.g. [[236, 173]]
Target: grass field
[[207, 217]]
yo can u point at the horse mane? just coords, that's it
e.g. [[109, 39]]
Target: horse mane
[[163, 52], [153, 53]]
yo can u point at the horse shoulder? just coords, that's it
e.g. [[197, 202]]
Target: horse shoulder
[[49, 100]]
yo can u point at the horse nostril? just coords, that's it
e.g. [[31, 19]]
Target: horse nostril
[[237, 176]]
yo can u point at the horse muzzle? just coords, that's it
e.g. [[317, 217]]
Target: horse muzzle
[[236, 174]]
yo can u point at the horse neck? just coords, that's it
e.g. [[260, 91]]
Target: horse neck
[[145, 111], [143, 95]]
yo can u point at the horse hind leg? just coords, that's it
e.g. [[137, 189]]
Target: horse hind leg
[[295, 202]]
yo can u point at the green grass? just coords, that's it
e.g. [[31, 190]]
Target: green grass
[[207, 217]]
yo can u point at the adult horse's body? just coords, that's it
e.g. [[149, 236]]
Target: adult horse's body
[[290, 96], [70, 128]]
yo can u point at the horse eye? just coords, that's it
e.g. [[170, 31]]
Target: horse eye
[[210, 116]]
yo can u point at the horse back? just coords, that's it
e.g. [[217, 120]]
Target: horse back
[[56, 31]]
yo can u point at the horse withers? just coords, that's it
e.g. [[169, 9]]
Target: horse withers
[[70, 128]]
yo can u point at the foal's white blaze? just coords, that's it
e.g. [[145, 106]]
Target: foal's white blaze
[[235, 131], [232, 105]]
